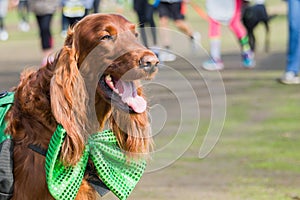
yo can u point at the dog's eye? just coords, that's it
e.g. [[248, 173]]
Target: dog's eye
[[106, 37]]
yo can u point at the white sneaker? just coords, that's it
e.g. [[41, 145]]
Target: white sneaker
[[248, 59], [196, 40], [289, 78], [155, 50], [3, 35], [166, 56], [64, 33], [213, 65], [24, 26]]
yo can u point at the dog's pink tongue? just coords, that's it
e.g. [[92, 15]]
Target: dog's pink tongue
[[131, 98]]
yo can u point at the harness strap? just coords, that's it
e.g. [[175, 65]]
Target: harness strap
[[3, 94], [6, 149], [38, 149]]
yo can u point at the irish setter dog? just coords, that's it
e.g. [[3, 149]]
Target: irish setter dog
[[93, 83]]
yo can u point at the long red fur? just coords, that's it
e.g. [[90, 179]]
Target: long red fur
[[56, 93]]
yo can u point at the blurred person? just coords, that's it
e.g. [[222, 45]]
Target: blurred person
[[23, 12], [44, 10], [290, 75], [3, 12], [175, 10], [144, 11], [73, 11], [96, 5], [226, 12]]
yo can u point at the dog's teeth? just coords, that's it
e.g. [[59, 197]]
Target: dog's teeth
[[109, 81], [108, 77]]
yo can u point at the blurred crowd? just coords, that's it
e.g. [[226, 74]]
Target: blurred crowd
[[241, 16], [43, 10]]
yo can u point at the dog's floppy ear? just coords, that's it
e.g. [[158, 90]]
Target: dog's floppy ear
[[69, 38], [68, 101]]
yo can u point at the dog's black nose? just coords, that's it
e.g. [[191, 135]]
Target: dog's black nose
[[149, 61]]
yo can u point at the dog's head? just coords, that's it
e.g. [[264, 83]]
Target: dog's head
[[97, 79]]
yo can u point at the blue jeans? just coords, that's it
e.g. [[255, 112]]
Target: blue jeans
[[293, 54]]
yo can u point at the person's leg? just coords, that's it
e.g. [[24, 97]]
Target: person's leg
[[164, 14], [293, 54], [3, 12], [239, 30], [140, 8], [26, 11], [44, 22], [73, 20], [23, 13], [163, 22], [1, 23], [178, 17], [182, 26], [96, 6], [178, 11], [3, 33], [214, 34], [149, 18], [142, 29], [21, 10], [64, 24]]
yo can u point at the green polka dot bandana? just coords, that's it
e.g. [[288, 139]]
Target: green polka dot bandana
[[118, 173]]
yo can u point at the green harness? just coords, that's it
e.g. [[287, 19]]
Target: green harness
[[6, 100], [6, 150], [115, 170]]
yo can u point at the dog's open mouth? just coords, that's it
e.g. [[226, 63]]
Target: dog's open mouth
[[123, 94]]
